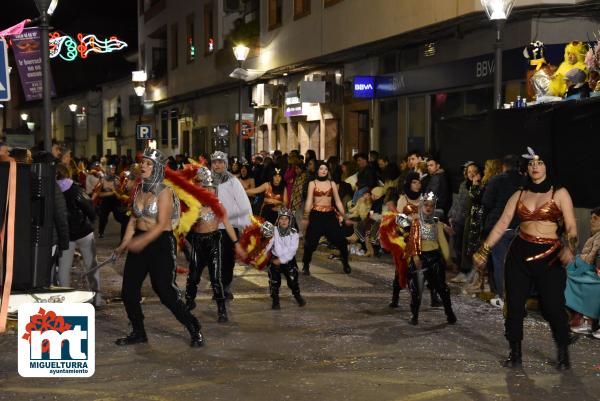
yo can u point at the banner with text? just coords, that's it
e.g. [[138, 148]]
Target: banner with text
[[28, 55]]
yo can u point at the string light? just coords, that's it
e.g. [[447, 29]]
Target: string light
[[65, 47]]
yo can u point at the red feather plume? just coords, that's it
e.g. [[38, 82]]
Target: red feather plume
[[204, 196]]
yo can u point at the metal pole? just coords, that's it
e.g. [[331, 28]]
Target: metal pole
[[498, 65], [73, 134], [47, 119], [239, 138]]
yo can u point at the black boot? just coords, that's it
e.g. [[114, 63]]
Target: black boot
[[196, 339], [563, 358], [275, 304], [300, 300], [450, 317], [135, 337], [436, 302], [190, 303], [222, 312], [515, 357], [395, 295], [347, 268], [306, 269]]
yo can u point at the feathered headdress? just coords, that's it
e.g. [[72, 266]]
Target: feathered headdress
[[391, 237], [254, 241], [530, 155]]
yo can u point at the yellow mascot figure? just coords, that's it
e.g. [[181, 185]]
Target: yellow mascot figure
[[574, 58]]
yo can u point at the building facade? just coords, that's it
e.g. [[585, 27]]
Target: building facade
[[314, 62]]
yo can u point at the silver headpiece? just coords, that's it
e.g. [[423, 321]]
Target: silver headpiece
[[284, 211], [218, 155], [428, 197], [431, 198], [205, 177], [159, 162], [220, 178], [267, 229]]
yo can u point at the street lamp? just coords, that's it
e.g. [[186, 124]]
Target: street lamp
[[46, 9], [24, 116], [498, 12], [139, 79], [241, 53], [73, 108]]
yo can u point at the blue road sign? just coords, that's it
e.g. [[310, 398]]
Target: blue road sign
[[143, 131], [4, 82]]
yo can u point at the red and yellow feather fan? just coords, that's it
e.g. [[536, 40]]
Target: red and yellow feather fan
[[393, 241], [191, 198], [254, 242]]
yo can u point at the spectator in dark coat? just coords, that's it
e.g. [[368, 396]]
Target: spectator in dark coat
[[366, 179], [439, 185], [498, 190]]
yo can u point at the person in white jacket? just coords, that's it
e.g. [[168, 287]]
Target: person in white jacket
[[283, 247], [232, 195]]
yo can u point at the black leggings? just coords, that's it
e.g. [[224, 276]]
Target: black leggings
[[433, 270], [227, 258], [324, 223], [158, 260], [549, 279], [290, 271], [206, 250], [108, 205]]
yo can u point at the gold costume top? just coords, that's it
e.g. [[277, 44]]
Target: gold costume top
[[426, 237]]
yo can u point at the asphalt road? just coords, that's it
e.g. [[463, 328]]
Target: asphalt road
[[346, 344]]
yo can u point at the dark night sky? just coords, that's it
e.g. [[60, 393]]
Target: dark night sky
[[102, 18]]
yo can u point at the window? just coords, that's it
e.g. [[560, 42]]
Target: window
[[275, 7], [189, 39], [174, 128], [301, 8], [174, 50], [209, 34], [329, 3], [164, 128], [159, 62]]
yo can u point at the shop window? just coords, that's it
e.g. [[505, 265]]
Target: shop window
[[275, 12], [301, 8], [174, 44], [189, 39], [209, 33], [174, 117], [164, 128], [329, 3]]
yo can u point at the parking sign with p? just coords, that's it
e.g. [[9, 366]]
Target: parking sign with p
[[143, 131]]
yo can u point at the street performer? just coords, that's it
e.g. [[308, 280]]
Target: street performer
[[151, 248], [283, 247], [429, 253], [536, 257], [237, 205], [206, 242]]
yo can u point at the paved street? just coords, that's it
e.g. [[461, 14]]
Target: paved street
[[346, 344]]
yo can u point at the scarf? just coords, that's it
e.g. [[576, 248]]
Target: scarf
[[540, 188], [220, 178]]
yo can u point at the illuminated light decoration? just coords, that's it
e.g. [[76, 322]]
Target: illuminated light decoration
[[211, 45], [192, 48], [65, 47]]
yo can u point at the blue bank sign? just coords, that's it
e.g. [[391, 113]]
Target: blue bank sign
[[364, 87]]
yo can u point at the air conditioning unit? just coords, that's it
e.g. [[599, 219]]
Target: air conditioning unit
[[264, 95]]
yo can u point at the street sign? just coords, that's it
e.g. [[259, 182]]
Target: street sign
[[4, 82], [143, 131]]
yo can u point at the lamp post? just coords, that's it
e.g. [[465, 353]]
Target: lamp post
[[241, 53], [46, 9], [73, 108], [498, 12], [24, 117], [139, 78]]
